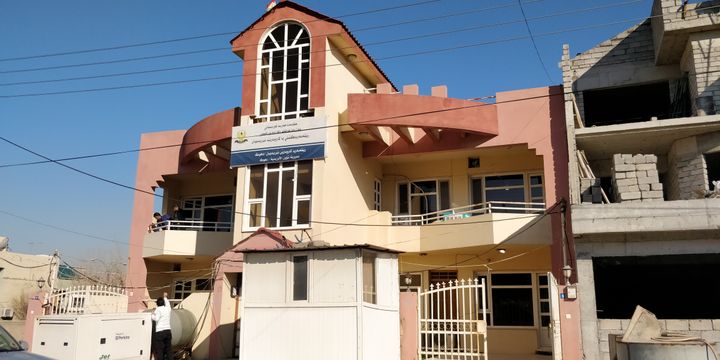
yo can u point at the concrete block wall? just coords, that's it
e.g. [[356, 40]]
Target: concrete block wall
[[708, 329], [632, 46], [687, 170], [636, 178], [694, 15], [701, 60]]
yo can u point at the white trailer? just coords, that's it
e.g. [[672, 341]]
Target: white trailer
[[93, 336]]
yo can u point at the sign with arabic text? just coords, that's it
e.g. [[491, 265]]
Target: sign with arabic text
[[278, 141]]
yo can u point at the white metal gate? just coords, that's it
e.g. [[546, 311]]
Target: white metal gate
[[452, 321]]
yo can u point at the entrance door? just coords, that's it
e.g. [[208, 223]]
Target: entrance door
[[545, 339]]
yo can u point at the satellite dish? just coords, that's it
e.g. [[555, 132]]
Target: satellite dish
[[4, 242]]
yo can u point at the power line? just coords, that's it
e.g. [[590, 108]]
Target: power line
[[534, 44], [126, 46], [381, 42], [25, 266], [424, 52], [315, 128]]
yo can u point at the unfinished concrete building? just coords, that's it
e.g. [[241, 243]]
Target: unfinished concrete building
[[642, 114]]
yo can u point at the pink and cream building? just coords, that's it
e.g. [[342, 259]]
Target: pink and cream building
[[323, 147]]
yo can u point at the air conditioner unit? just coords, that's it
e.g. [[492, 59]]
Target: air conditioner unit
[[7, 314]]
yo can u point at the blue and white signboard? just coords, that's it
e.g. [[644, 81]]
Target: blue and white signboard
[[278, 141]]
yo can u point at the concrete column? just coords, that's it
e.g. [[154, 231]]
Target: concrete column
[[588, 309]]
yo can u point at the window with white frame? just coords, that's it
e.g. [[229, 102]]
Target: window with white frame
[[183, 288], [279, 195], [215, 212], [510, 188], [422, 197], [369, 277], [377, 195], [510, 299], [284, 76]]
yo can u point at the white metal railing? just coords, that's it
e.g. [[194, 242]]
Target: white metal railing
[[452, 321], [192, 225], [468, 211], [87, 299]]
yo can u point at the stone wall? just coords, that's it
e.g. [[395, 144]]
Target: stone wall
[[636, 178], [706, 329]]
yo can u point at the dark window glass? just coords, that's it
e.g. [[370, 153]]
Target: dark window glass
[[202, 284], [504, 180], [403, 199], [477, 191], [292, 64], [511, 279], [278, 65], [300, 277], [512, 307], [286, 206], [444, 195], [291, 96], [218, 200]]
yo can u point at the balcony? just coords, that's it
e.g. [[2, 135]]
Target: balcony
[[469, 226], [464, 212], [169, 240]]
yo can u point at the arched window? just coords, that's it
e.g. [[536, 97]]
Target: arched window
[[284, 73]]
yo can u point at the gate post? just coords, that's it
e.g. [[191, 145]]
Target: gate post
[[409, 323]]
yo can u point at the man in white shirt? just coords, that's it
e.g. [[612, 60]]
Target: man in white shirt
[[162, 337]]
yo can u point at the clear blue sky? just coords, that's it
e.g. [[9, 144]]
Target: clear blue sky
[[86, 123]]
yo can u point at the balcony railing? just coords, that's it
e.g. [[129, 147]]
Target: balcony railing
[[469, 211], [192, 225]]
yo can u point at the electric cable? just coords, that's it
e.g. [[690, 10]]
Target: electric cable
[[534, 44], [391, 57], [381, 42], [202, 36], [26, 266]]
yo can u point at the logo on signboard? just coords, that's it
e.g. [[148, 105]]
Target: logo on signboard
[[240, 137]]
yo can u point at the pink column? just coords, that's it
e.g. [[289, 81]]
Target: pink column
[[152, 164], [409, 326], [34, 309]]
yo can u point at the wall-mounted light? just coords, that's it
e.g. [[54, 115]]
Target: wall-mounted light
[[502, 250], [40, 283], [567, 273], [351, 57]]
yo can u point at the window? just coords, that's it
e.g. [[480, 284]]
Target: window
[[284, 75], [505, 188], [511, 188], [279, 194], [510, 298], [183, 288], [377, 192], [422, 197], [300, 276], [537, 194], [369, 278], [215, 212]]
